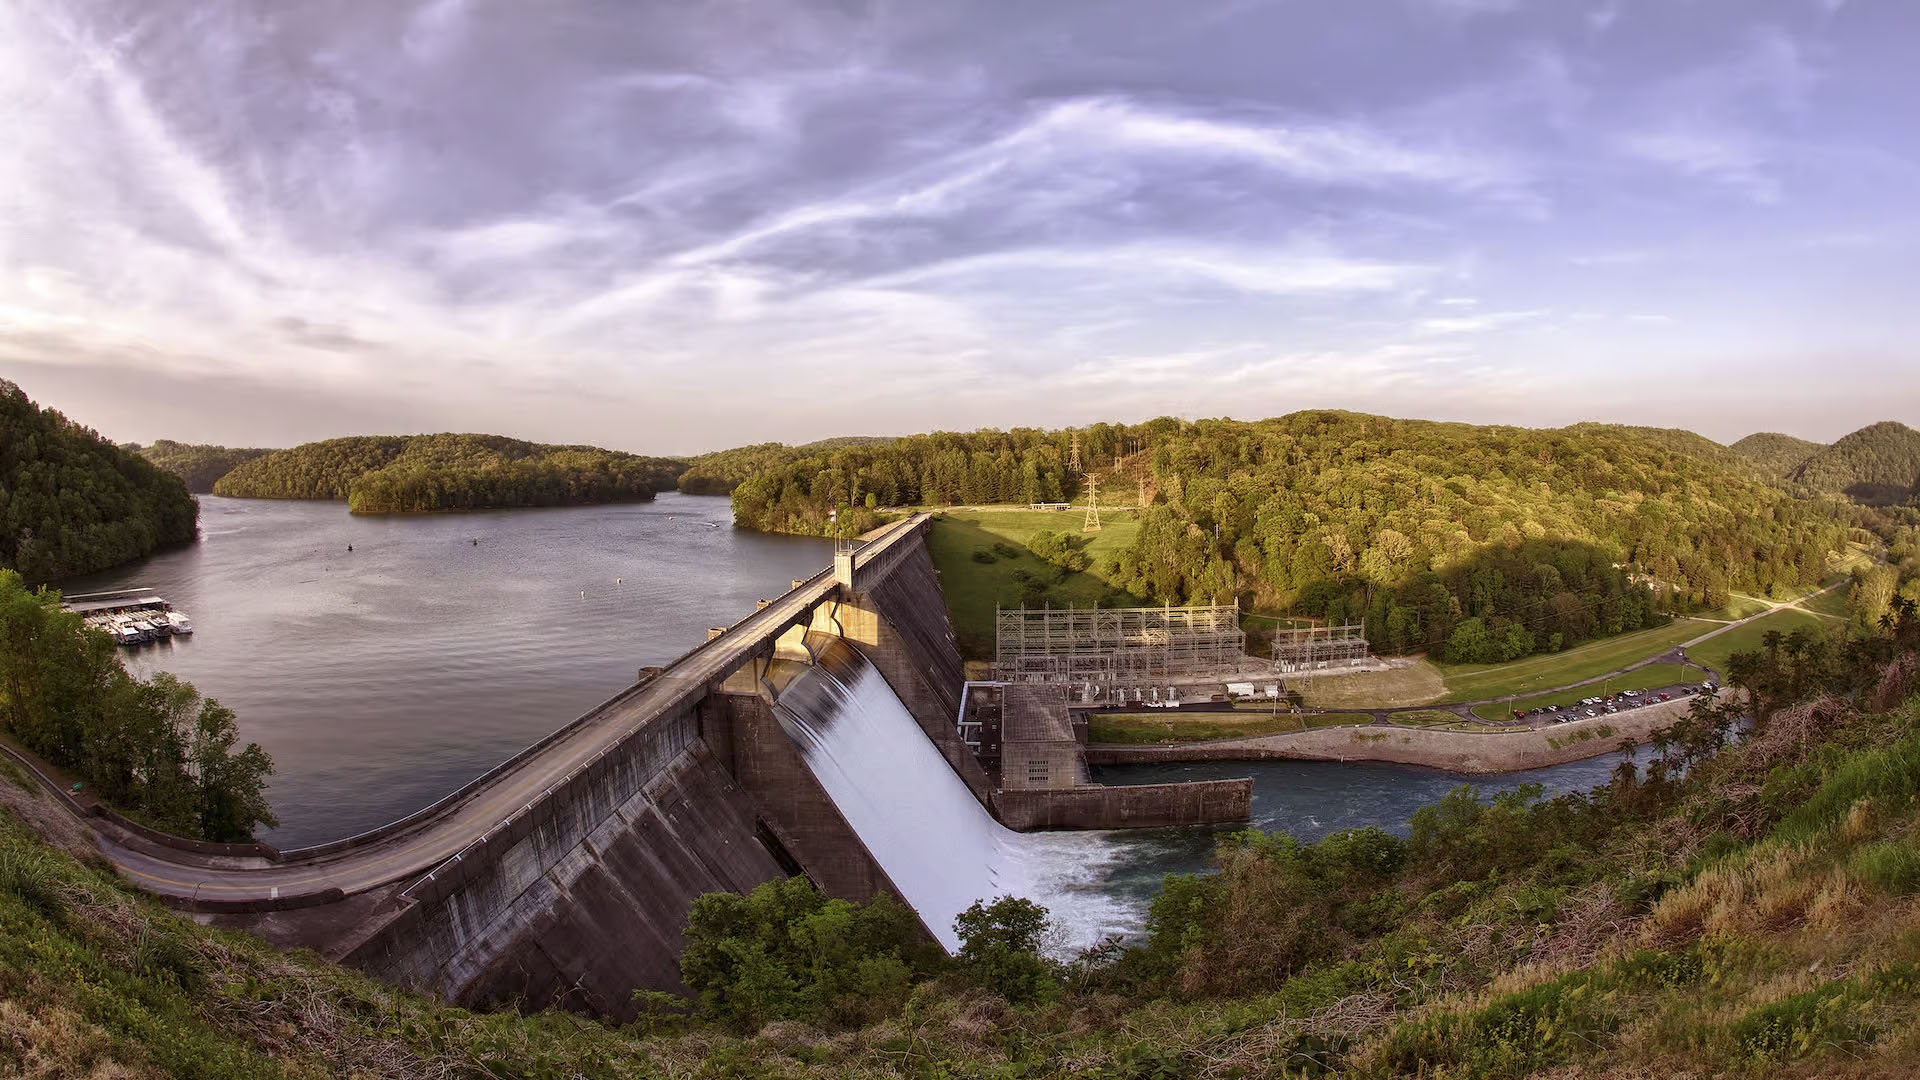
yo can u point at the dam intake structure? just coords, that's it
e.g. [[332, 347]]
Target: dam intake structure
[[564, 875]]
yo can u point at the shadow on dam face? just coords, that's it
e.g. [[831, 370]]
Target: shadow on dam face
[[939, 846]]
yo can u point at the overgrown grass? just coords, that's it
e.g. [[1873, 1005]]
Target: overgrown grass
[[1653, 676], [1714, 651], [1470, 682], [975, 587], [1417, 683]]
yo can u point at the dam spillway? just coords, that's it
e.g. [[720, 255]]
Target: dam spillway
[[938, 845]]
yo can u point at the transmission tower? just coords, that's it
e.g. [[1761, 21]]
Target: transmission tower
[[1093, 505], [1073, 453]]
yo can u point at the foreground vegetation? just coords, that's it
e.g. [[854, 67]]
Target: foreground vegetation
[[379, 474], [71, 502], [154, 749], [1731, 907]]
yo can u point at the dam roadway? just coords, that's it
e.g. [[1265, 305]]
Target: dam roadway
[[417, 845]]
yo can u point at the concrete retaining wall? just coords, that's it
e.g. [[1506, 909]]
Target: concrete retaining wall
[[1454, 751], [1136, 806], [583, 897]]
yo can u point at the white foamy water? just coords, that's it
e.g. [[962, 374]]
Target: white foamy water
[[936, 842]]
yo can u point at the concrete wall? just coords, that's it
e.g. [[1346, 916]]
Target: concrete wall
[[1137, 806], [584, 897], [791, 804]]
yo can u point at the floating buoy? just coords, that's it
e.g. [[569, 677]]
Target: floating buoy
[[349, 547], [583, 594], [616, 581]]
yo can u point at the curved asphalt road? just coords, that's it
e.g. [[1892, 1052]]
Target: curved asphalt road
[[416, 850]]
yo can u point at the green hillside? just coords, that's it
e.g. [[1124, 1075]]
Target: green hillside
[[407, 473], [1475, 543], [1777, 455], [1879, 464], [72, 502], [198, 464]]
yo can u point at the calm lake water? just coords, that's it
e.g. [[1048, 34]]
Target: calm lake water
[[384, 678]]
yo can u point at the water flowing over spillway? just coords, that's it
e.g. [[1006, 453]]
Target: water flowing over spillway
[[939, 846]]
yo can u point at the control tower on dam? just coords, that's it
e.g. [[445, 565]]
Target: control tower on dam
[[564, 875]]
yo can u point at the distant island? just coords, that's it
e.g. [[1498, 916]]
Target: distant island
[[388, 474]]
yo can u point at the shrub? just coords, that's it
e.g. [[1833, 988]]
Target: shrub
[[1000, 947], [1890, 865], [787, 952], [982, 555]]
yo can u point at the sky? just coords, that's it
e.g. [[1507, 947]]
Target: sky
[[679, 226]]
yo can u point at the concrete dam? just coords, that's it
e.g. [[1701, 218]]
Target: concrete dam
[[816, 736]]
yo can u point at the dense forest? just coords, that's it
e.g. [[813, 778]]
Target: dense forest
[[153, 748], [1879, 464], [1738, 898], [407, 473], [1776, 454], [72, 502], [1517, 540], [718, 473], [198, 464]]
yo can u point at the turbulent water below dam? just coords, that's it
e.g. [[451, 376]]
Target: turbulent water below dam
[[943, 851], [382, 678]]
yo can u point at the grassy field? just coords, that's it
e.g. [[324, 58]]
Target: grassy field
[[1468, 682], [1415, 684], [1148, 729], [1651, 677], [1738, 607], [1714, 651], [1832, 603], [974, 589]]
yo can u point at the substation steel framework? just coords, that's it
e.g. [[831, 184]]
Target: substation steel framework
[[1117, 644], [1319, 648]]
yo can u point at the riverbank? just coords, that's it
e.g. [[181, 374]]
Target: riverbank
[[1454, 751]]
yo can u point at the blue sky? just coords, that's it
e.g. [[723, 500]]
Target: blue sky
[[679, 226]]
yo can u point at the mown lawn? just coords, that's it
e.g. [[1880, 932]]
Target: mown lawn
[[1832, 603], [1651, 677], [975, 589], [1471, 682], [1715, 650]]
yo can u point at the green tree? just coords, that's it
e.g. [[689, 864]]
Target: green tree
[[1000, 948]]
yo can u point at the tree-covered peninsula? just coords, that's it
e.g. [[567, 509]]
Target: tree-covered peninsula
[[71, 502], [379, 474], [198, 464]]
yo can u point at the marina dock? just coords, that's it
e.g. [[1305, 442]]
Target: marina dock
[[131, 617]]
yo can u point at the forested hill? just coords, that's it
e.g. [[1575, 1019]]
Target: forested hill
[[199, 464], [1776, 454], [1532, 538], [408, 473], [1879, 464], [720, 472], [71, 502]]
